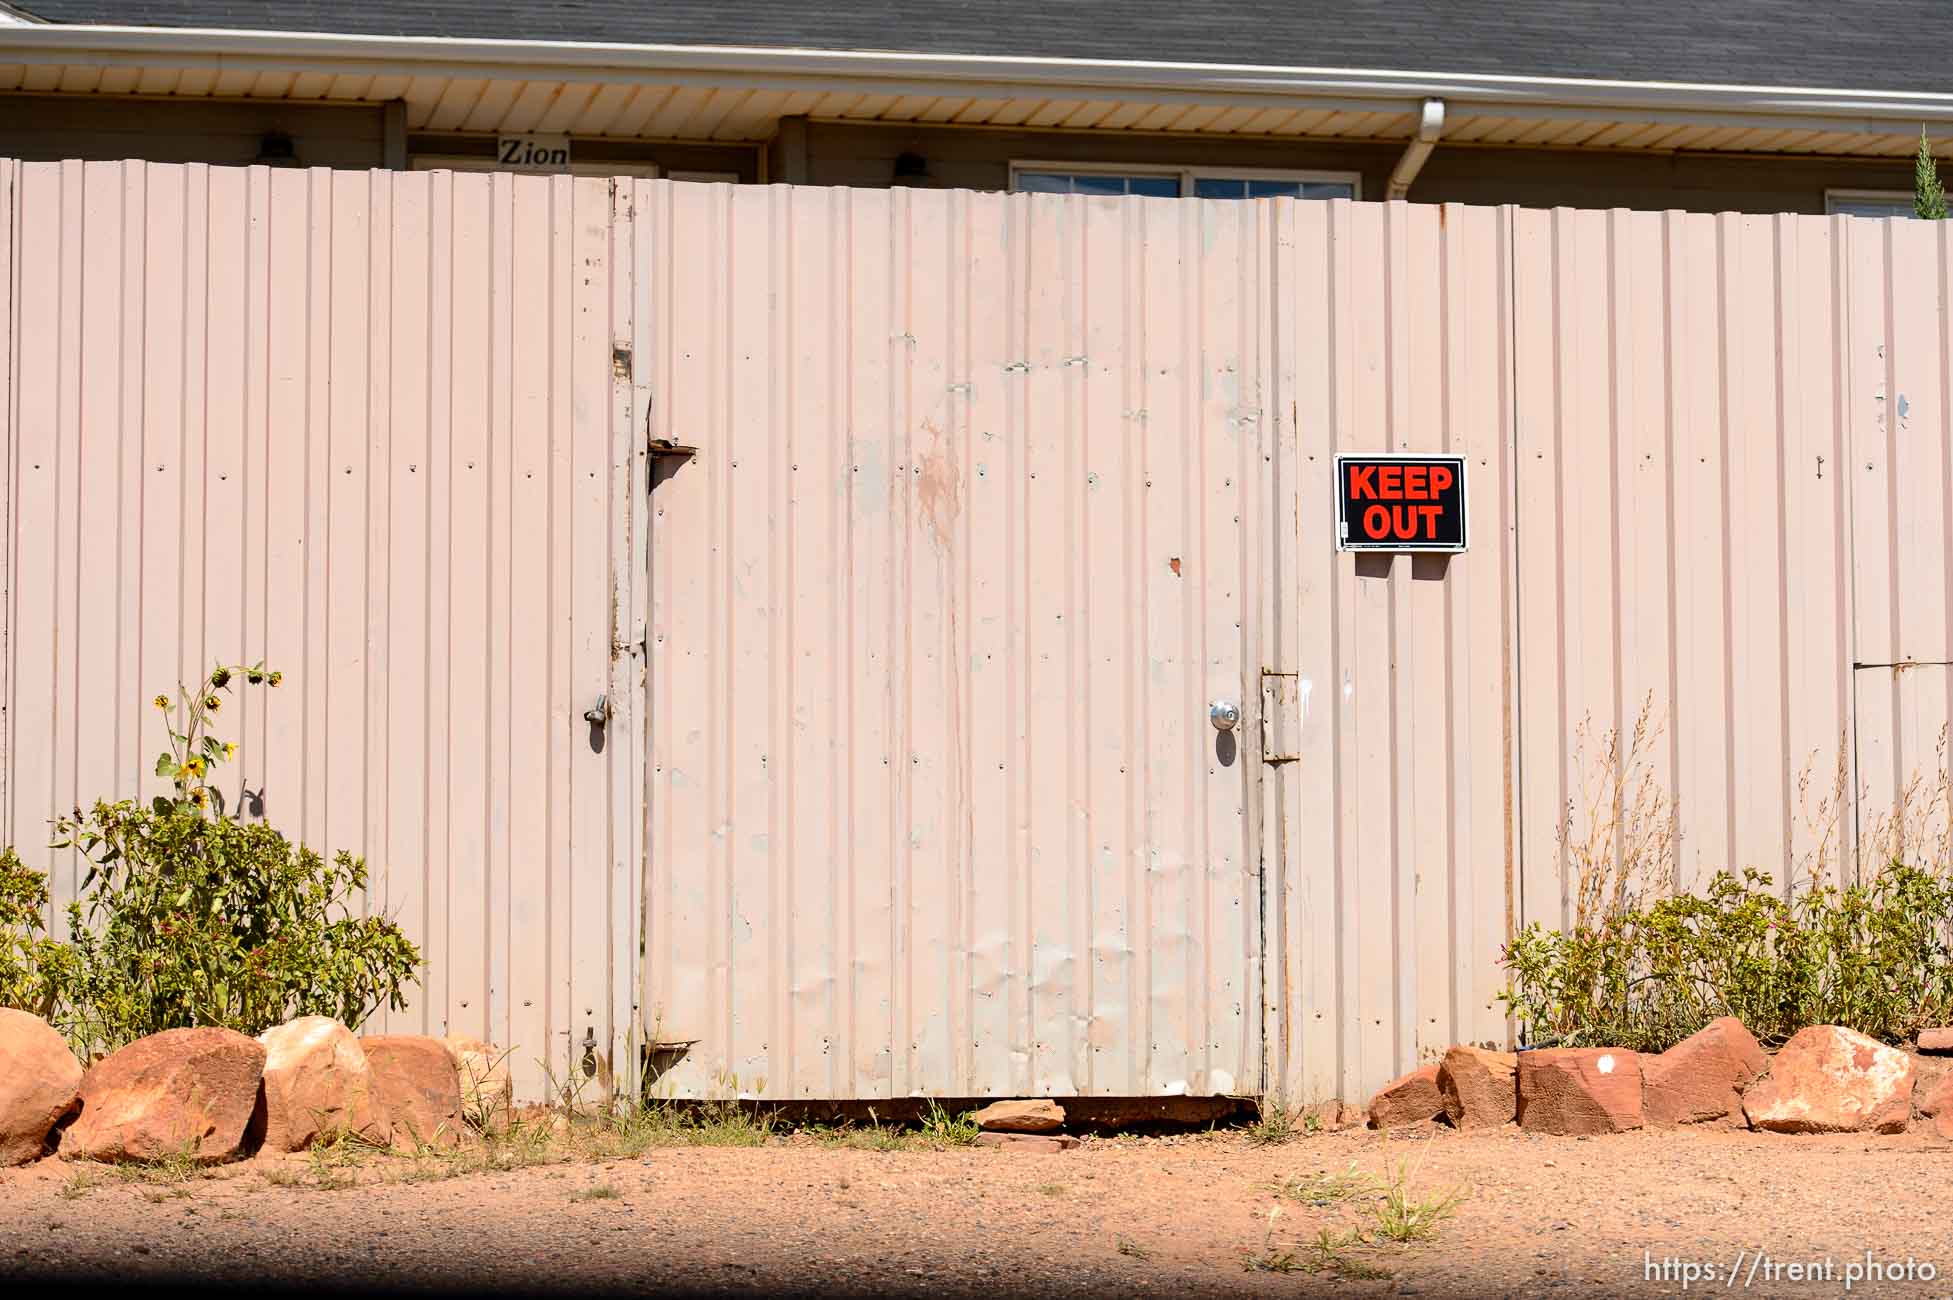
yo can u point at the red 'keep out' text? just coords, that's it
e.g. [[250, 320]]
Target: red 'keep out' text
[[1397, 493]]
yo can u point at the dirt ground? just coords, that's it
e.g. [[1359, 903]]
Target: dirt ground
[[1186, 1215]]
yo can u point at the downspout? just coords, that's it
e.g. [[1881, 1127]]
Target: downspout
[[1429, 126]]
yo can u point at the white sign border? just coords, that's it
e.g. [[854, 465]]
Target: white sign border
[[1343, 543]]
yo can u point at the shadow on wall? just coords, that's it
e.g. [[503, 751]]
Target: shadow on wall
[[1423, 568]]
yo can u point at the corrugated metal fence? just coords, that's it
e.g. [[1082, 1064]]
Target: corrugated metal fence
[[359, 425], [908, 667]]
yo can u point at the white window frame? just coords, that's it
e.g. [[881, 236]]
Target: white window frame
[[489, 163], [1900, 197], [1187, 175]]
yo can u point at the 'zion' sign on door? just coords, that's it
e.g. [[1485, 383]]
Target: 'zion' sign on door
[[1400, 503]]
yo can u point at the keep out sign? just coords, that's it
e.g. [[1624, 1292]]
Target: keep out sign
[[1400, 503]]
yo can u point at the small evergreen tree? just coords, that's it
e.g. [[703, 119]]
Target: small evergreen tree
[[1928, 195]]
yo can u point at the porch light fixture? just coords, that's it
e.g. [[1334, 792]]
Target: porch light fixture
[[276, 149], [911, 169]]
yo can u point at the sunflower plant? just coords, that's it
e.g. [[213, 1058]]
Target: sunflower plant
[[194, 751]]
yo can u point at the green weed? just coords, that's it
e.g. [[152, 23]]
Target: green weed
[[1403, 1216], [946, 1130], [1274, 1123]]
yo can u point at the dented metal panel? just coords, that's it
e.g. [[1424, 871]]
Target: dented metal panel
[[358, 425], [937, 613]]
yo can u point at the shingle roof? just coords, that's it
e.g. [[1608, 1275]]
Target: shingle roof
[[1902, 45]]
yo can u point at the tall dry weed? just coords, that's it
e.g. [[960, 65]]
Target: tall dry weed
[[1620, 834], [1855, 927]]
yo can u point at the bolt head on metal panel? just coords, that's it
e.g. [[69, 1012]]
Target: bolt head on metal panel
[[1224, 714]]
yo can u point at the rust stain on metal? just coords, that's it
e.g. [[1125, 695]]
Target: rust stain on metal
[[939, 487]]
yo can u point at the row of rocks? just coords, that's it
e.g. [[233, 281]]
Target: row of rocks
[[213, 1094], [1826, 1079]]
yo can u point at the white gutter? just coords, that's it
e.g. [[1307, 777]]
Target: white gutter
[[977, 75], [1430, 124]]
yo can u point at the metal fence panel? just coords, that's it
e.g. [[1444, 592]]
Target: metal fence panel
[[358, 425]]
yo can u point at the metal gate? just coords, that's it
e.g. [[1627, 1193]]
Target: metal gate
[[937, 611]]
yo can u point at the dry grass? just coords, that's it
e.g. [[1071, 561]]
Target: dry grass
[[1369, 1213], [1329, 1187], [1272, 1258], [1916, 828], [1619, 834], [591, 1136], [80, 1183], [586, 1134], [1403, 1216]]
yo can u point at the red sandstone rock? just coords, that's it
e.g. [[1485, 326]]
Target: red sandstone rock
[[1479, 1087], [39, 1081], [1411, 1099], [1037, 1115], [416, 1090], [1936, 1040], [190, 1092], [1574, 1091], [317, 1084], [1701, 1079], [1833, 1080], [1936, 1099]]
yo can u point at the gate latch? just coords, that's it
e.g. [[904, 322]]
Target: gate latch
[[1281, 717]]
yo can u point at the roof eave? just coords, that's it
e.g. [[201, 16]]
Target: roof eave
[[977, 73], [1379, 104]]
